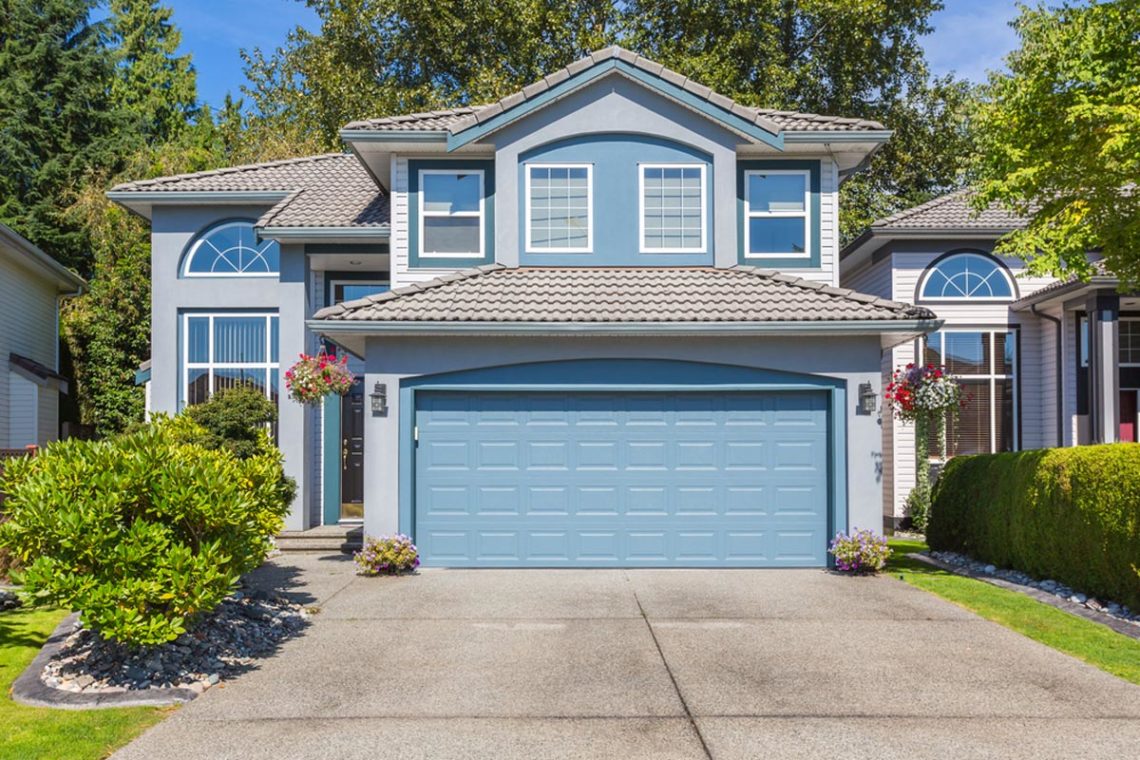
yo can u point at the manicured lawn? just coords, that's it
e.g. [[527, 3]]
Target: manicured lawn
[[30, 733], [1095, 644]]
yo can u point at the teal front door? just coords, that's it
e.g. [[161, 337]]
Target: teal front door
[[622, 479]]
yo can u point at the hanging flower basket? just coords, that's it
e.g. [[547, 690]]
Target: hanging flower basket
[[923, 392], [314, 377]]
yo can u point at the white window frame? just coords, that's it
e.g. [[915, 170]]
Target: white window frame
[[589, 247], [993, 376], [642, 247], [210, 366], [425, 254], [200, 240], [750, 214], [335, 282], [1120, 363], [998, 267]]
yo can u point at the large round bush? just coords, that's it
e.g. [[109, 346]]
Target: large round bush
[[143, 532]]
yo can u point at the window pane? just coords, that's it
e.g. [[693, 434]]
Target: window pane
[[968, 353], [451, 193], [231, 377], [197, 386], [970, 433], [451, 235], [1003, 397], [353, 291], [559, 207], [198, 339], [777, 235], [933, 353], [673, 207], [1129, 342], [1083, 339], [1005, 348], [967, 275], [233, 249], [239, 340], [274, 339], [776, 192]]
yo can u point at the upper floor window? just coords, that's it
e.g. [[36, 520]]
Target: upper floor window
[[559, 213], [776, 208], [451, 213], [672, 208], [231, 249], [963, 276], [354, 290]]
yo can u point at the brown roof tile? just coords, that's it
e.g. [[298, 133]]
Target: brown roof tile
[[950, 211]]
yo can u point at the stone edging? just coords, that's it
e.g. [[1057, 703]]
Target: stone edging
[[30, 690], [1120, 626]]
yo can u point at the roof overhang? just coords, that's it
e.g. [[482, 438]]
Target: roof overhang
[[142, 202], [1060, 294], [856, 253], [352, 335], [25, 252], [375, 233], [37, 373]]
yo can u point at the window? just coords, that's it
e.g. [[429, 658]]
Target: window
[[776, 222], [1129, 343], [672, 208], [224, 350], [962, 276], [451, 213], [354, 290], [986, 363], [231, 249], [559, 208]]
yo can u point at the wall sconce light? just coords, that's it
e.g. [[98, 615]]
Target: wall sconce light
[[868, 399], [379, 396]]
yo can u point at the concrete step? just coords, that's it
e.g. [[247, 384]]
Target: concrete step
[[327, 538]]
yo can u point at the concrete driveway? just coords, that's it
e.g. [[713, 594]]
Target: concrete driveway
[[645, 664]]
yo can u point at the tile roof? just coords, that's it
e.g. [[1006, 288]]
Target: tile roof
[[1100, 273], [950, 211], [460, 119], [494, 293], [329, 190]]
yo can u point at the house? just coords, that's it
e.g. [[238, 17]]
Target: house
[[1045, 362], [32, 285], [596, 323]]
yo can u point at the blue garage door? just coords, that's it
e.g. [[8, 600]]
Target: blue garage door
[[621, 479]]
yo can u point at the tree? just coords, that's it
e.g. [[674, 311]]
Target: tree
[[152, 83], [847, 57], [1059, 139], [57, 119]]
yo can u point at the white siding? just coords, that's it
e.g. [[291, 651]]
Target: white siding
[[828, 226], [28, 327], [23, 412], [874, 279]]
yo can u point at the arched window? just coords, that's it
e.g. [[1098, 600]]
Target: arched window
[[231, 249], [962, 276]]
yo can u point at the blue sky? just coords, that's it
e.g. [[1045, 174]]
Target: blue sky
[[970, 36]]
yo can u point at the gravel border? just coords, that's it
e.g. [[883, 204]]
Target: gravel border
[[1120, 626], [30, 690]]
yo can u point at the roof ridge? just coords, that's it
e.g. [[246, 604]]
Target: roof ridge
[[226, 170]]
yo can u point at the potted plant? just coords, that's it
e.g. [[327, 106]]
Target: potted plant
[[314, 377]]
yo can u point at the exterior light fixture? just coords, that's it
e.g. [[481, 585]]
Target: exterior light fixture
[[379, 396], [868, 400]]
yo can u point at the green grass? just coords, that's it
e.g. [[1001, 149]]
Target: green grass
[[32, 732], [1088, 641]]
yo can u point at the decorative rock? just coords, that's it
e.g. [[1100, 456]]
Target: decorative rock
[[989, 569], [9, 601]]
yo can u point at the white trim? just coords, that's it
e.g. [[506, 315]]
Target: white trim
[[750, 214], [202, 238], [530, 247], [641, 246], [210, 366], [453, 215]]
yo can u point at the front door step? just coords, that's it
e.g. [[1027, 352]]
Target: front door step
[[327, 538]]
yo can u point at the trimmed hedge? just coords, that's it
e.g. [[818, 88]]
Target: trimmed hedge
[[1069, 514]]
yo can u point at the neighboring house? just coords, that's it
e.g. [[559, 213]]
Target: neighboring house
[[1045, 362], [31, 287], [575, 349]]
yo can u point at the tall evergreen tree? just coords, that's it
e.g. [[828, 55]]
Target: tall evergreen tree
[[57, 118]]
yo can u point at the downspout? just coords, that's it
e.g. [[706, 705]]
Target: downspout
[[1060, 373]]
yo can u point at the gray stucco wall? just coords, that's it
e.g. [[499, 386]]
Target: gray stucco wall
[[172, 230], [852, 359]]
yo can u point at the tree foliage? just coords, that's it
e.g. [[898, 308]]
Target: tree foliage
[[1059, 138]]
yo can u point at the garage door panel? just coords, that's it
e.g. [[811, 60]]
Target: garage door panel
[[621, 479]]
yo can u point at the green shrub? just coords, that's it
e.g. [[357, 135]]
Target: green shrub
[[144, 532], [1068, 514], [234, 419]]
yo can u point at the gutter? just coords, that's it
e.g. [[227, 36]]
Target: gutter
[[324, 233], [852, 327], [1060, 371]]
